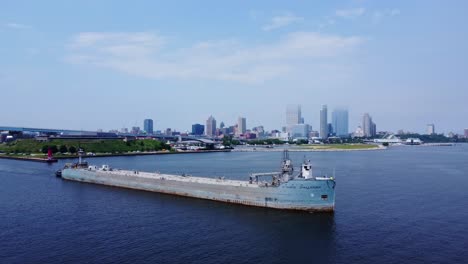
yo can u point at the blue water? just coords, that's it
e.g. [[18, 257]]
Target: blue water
[[402, 205]]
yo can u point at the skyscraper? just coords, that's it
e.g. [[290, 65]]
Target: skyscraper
[[430, 129], [466, 132], [241, 125], [293, 115], [148, 126], [340, 122], [210, 126], [323, 122], [368, 126]]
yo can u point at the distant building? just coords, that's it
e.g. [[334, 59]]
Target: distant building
[[198, 129], [135, 130], [293, 115], [340, 122], [430, 129], [211, 127], [324, 122], [259, 131], [221, 125], [148, 126], [241, 125], [359, 132], [313, 134], [168, 132], [331, 131], [369, 128], [466, 133], [124, 130], [300, 131]]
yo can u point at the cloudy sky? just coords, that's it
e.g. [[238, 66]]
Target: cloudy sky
[[111, 64]]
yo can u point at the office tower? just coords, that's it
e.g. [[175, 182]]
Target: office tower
[[340, 122], [241, 125], [323, 122], [148, 126], [293, 115], [466, 132], [430, 129], [369, 128], [210, 126], [198, 129]]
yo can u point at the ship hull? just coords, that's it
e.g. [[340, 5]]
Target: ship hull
[[299, 194]]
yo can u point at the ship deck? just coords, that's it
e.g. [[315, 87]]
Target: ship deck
[[180, 178]]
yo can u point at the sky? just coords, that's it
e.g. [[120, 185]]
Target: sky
[[110, 64]]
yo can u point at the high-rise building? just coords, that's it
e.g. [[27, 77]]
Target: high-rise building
[[340, 122], [369, 128], [430, 129], [293, 115], [324, 122], [466, 132], [241, 125], [211, 126], [148, 126], [198, 129]]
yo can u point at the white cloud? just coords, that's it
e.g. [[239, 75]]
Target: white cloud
[[147, 54], [282, 21], [350, 13], [17, 26]]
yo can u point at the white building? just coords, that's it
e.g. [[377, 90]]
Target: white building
[[241, 125]]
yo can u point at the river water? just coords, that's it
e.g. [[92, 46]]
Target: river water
[[401, 205]]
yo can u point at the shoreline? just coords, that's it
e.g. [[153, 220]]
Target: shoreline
[[262, 149], [37, 159]]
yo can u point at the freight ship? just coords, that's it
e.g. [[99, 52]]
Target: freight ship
[[280, 190]]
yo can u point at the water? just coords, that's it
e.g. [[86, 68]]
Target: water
[[403, 205]]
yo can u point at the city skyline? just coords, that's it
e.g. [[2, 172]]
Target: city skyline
[[139, 62]]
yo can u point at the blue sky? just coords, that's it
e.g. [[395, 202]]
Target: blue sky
[[111, 64]]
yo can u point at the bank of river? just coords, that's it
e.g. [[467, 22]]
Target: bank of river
[[43, 158]]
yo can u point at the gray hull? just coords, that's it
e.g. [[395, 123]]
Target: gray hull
[[297, 194]]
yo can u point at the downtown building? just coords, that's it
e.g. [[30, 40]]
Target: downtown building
[[369, 128], [211, 127], [148, 126], [430, 129], [198, 129], [324, 122], [340, 122], [293, 115], [241, 126]]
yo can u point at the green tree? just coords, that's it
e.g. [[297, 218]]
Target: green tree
[[72, 149], [44, 149], [63, 149]]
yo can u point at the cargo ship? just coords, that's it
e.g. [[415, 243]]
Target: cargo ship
[[284, 189]]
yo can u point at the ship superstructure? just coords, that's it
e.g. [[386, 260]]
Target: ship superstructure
[[281, 190]]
